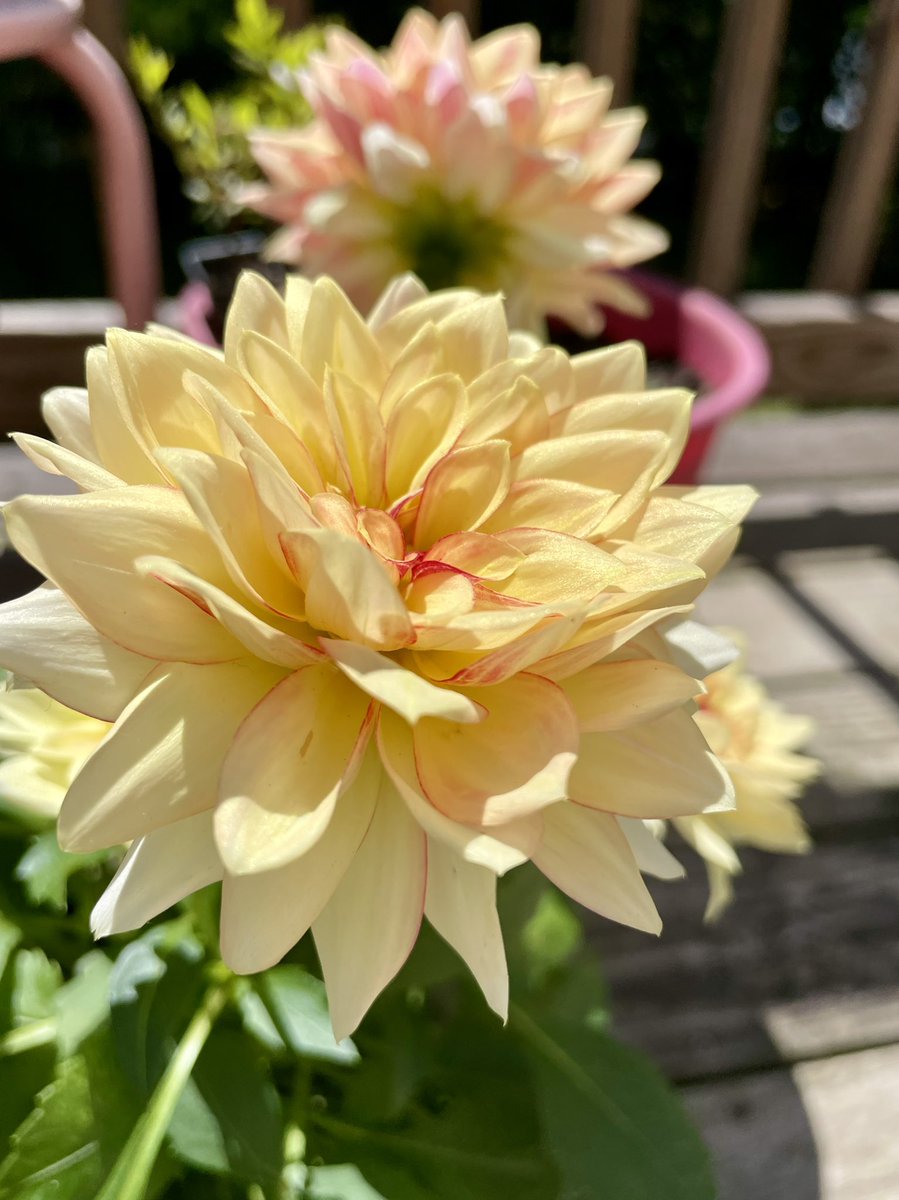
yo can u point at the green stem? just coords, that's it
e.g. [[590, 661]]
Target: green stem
[[26, 1037], [400, 1143], [129, 1177]]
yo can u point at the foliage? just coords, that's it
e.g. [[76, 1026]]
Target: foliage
[[209, 132], [143, 1069]]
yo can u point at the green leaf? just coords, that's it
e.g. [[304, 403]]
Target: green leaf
[[297, 1004], [138, 1161], [440, 1107], [81, 1120], [149, 66], [82, 1004], [36, 981], [551, 937], [344, 1182], [23, 1075], [614, 1126], [44, 870], [10, 936], [154, 989], [229, 1119]]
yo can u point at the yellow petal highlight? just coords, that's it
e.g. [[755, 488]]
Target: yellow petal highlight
[[401, 690], [515, 762], [660, 768], [366, 930], [290, 759], [162, 759], [586, 855]]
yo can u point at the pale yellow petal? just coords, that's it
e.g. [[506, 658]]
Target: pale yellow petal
[[514, 762], [88, 545], [256, 306], [347, 590], [462, 490], [57, 460], [85, 671], [368, 927], [660, 768], [586, 855], [265, 914], [461, 905], [162, 759], [616, 695], [387, 681], [506, 846], [159, 870], [288, 763]]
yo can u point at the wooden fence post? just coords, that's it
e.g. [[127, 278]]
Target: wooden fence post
[[607, 41], [745, 72], [469, 9], [105, 19], [297, 13], [852, 221]]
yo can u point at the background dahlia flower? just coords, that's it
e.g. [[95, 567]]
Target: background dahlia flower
[[376, 609], [467, 163], [43, 745], [757, 742]]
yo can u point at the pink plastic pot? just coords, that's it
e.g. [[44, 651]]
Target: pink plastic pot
[[708, 336], [687, 325]]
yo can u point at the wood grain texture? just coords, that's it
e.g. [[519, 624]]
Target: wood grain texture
[[745, 72], [106, 21], [802, 929], [607, 41], [829, 347], [825, 1130], [469, 9], [297, 13], [851, 224]]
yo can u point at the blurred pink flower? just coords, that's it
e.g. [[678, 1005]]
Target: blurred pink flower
[[468, 163]]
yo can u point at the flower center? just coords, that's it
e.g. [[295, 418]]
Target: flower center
[[448, 242]]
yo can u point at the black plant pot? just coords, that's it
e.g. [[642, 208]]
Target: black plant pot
[[216, 263]]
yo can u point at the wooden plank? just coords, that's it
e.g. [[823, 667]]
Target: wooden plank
[[858, 588], [857, 730], [759, 1136], [781, 641], [607, 41], [824, 1131], [42, 345], [808, 448], [469, 9], [297, 13], [745, 72], [106, 21], [827, 347], [820, 930], [851, 225]]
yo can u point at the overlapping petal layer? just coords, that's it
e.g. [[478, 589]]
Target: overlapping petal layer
[[468, 163], [374, 608]]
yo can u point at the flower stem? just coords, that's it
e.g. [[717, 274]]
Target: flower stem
[[129, 1177]]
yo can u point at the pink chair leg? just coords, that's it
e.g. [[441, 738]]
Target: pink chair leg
[[130, 225]]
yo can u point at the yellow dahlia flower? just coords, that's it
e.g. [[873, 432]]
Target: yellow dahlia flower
[[757, 742], [359, 597], [468, 163], [43, 745]]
